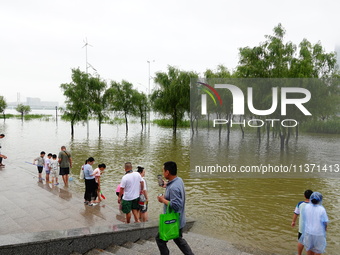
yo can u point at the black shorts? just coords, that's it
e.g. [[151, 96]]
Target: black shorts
[[40, 168], [64, 170], [143, 208], [299, 235]]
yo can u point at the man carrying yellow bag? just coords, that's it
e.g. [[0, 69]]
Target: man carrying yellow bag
[[173, 200]]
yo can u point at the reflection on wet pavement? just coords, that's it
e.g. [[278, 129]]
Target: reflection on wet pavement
[[30, 206]]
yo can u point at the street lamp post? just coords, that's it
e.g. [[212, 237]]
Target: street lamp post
[[149, 92], [149, 62]]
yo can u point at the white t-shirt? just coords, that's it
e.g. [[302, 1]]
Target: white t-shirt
[[144, 184], [298, 210], [47, 164], [54, 165], [96, 173], [131, 184]]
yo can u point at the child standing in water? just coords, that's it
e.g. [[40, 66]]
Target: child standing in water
[[97, 172], [40, 164], [54, 169], [47, 167]]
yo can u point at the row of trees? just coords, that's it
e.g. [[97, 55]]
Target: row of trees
[[88, 96], [273, 58], [21, 108]]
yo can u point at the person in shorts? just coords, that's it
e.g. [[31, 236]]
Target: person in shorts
[[47, 167], [298, 211], [65, 163], [40, 164], [130, 187], [143, 198], [97, 173]]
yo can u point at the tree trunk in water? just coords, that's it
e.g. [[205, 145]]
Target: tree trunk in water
[[268, 130], [228, 126], [141, 121], [126, 123], [174, 126], [208, 121], [282, 138], [242, 130], [259, 133], [288, 136], [100, 126]]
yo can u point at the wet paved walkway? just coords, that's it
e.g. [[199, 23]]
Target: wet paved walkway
[[28, 206]]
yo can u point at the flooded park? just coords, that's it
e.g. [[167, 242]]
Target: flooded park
[[248, 212]]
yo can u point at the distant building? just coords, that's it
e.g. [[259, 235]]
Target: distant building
[[35, 103]]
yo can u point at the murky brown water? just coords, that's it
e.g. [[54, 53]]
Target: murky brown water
[[249, 212]]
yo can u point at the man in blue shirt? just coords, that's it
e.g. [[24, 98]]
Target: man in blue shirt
[[175, 195]]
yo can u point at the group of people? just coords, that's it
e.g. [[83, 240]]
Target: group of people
[[312, 223], [132, 194], [133, 197], [92, 195], [51, 164]]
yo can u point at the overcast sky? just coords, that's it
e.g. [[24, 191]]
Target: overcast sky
[[41, 41]]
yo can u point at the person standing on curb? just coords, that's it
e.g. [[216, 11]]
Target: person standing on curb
[[40, 165], [90, 183], [175, 195], [3, 156], [65, 162]]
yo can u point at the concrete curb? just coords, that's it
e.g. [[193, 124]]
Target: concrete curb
[[78, 240]]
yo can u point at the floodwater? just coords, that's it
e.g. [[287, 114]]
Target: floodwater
[[252, 213]]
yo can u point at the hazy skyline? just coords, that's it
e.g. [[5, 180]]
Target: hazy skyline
[[43, 40]]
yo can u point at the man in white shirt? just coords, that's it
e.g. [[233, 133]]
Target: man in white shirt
[[130, 187]]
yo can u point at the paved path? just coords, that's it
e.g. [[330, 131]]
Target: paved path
[[38, 212], [29, 206]]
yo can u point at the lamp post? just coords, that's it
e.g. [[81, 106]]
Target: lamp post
[[149, 62], [149, 92]]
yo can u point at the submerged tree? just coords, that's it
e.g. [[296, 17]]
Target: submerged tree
[[173, 96], [97, 99], [276, 59], [120, 97], [77, 98], [3, 105], [141, 106], [23, 109]]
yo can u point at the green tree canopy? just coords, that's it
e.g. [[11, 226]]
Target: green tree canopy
[[23, 109], [3, 105], [97, 100], [121, 98], [173, 96], [78, 96]]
